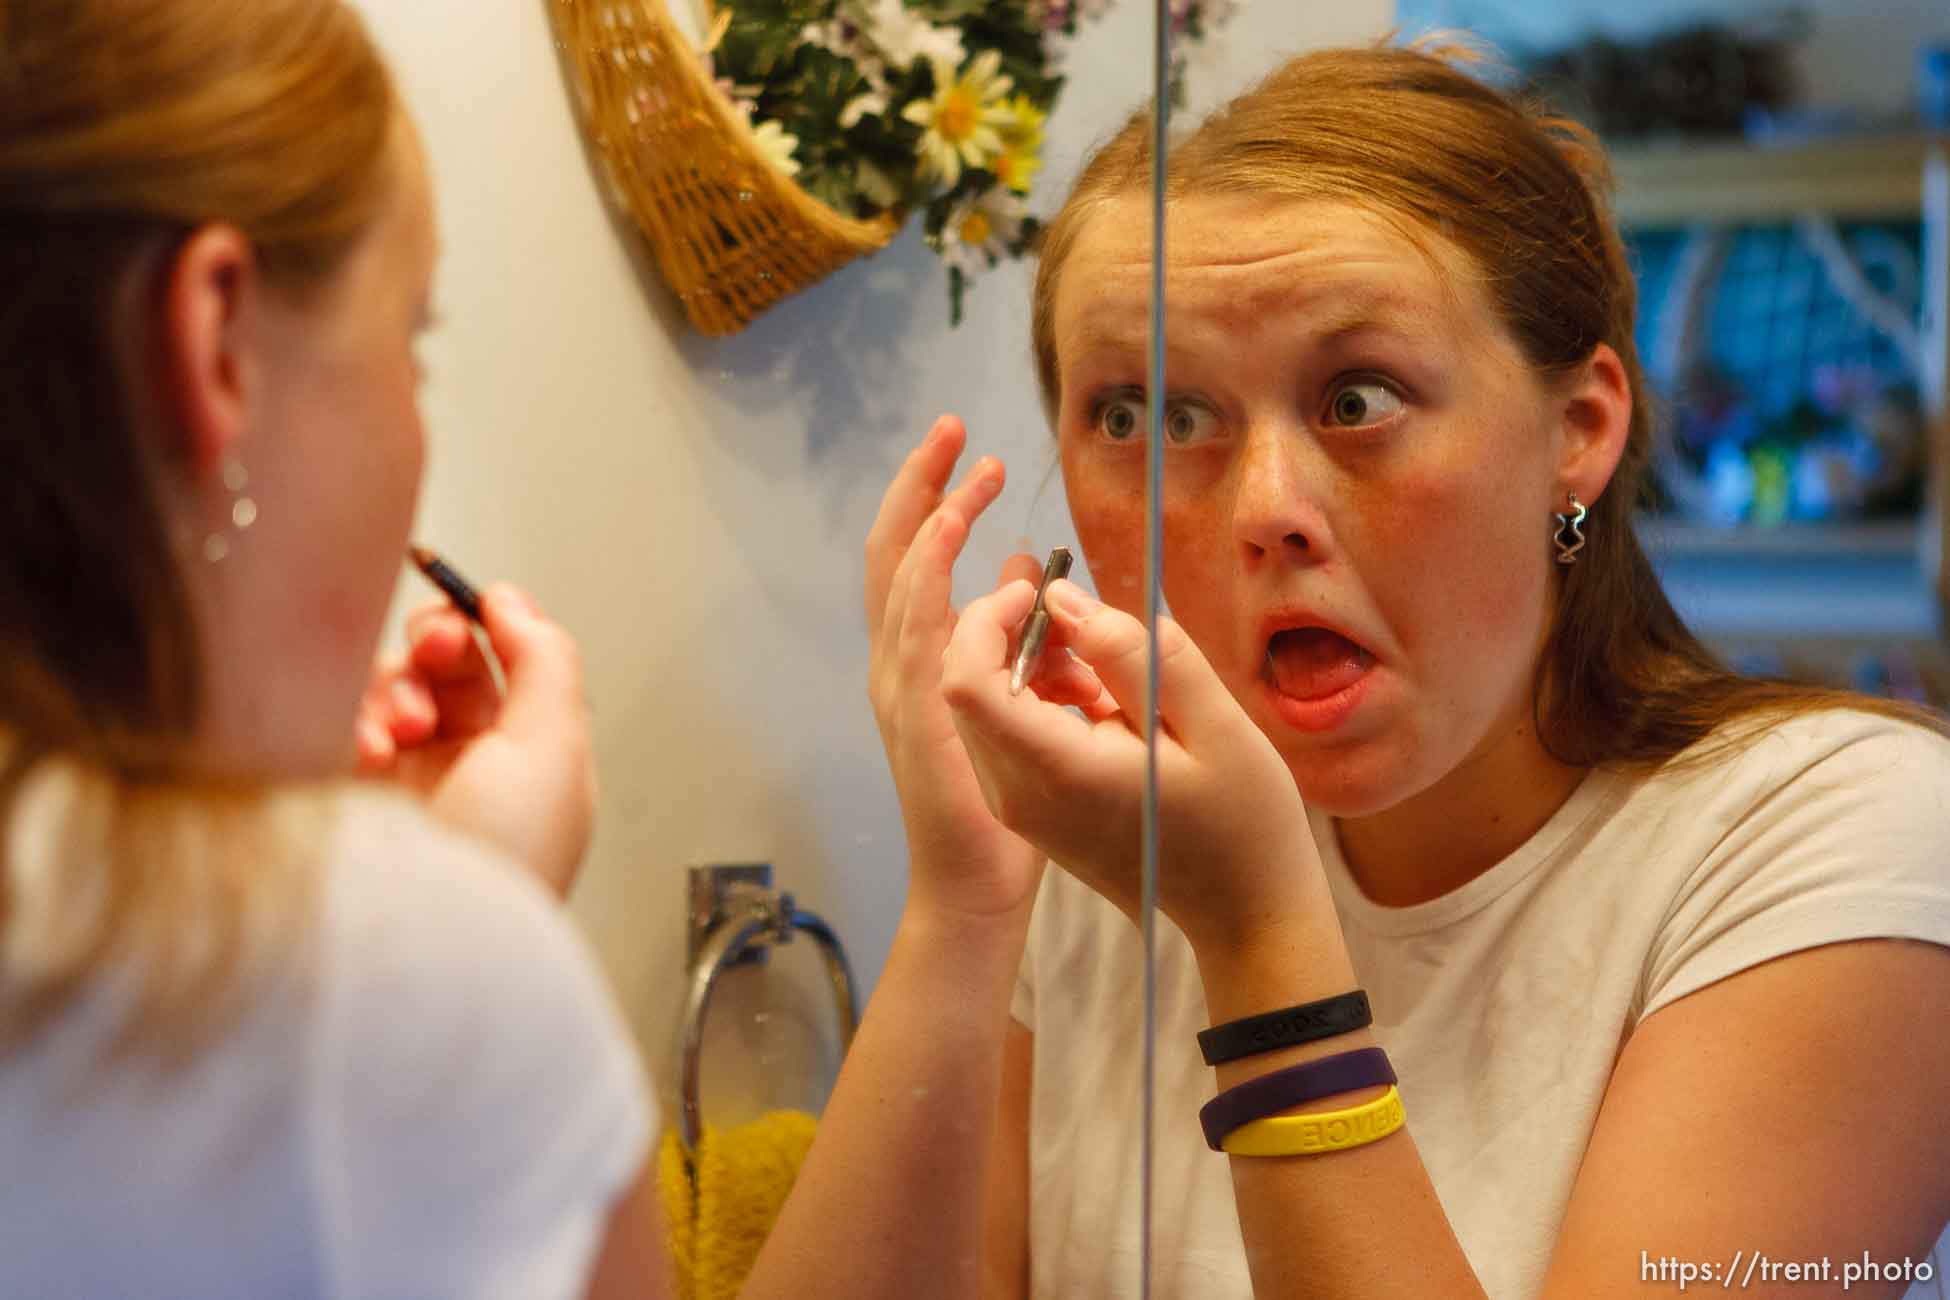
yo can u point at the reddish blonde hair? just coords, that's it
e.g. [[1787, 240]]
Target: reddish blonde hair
[[124, 125], [1525, 196]]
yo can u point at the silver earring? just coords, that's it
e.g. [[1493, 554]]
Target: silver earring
[[243, 510], [1567, 552]]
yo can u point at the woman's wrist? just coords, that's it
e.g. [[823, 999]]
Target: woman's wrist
[[966, 938], [1279, 946], [1270, 977], [1299, 957]]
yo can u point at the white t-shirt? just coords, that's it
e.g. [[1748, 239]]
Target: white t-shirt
[[1511, 995], [436, 1099]]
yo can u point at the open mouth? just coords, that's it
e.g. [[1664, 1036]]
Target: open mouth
[[1313, 663]]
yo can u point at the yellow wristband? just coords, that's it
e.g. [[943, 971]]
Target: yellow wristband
[[1327, 1130]]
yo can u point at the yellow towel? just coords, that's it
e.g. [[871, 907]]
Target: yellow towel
[[719, 1220]]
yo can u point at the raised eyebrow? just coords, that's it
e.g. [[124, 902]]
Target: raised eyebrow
[[1361, 313], [1118, 342]]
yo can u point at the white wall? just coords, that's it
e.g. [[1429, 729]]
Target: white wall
[[695, 509], [1862, 53]]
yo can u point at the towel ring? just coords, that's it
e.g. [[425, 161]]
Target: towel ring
[[747, 919]]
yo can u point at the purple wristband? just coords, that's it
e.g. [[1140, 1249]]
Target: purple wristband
[[1364, 1067]]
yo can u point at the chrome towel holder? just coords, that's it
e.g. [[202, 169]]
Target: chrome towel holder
[[736, 918]]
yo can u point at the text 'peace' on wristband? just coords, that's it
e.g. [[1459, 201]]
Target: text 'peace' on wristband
[[1320, 1132], [1307, 1023]]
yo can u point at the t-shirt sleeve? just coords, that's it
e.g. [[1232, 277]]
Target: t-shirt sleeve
[[481, 1104], [1844, 835], [1022, 1003]]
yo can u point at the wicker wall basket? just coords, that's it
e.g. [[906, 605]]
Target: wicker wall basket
[[731, 233]]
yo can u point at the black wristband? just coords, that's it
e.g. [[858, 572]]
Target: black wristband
[[1307, 1023]]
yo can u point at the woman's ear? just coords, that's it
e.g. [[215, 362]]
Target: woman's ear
[[202, 364], [1597, 421]]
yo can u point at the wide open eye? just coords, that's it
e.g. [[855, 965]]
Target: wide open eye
[[1363, 402], [1120, 417], [1187, 423]]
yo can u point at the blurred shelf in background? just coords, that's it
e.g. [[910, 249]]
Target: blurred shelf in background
[[1858, 601], [1859, 581], [1847, 177]]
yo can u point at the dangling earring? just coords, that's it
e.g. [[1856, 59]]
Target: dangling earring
[[243, 510], [1567, 552]]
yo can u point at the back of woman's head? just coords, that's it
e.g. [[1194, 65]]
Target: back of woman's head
[[1523, 195], [124, 124]]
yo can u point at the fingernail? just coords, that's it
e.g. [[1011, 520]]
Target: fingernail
[[1065, 597], [405, 698]]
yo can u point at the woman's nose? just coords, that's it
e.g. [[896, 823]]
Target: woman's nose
[[1274, 515]]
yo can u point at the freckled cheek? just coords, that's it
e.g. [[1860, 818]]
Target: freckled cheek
[[1109, 519], [1106, 499], [1462, 567], [1110, 527], [1200, 568]]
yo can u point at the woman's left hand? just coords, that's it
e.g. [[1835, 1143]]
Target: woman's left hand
[[1236, 854]]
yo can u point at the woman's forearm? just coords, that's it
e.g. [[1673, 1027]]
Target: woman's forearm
[[1361, 1224], [890, 1200]]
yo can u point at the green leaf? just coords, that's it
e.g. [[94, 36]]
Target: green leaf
[[950, 12]]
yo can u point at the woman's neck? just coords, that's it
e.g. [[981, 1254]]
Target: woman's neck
[[1449, 834]]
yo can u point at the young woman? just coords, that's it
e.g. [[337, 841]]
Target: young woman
[[263, 1031], [1654, 954], [266, 1033]]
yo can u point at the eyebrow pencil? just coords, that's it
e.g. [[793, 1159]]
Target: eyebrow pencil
[[1036, 626], [442, 575]]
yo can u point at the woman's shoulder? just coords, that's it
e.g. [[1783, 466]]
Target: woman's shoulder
[[1840, 792], [1819, 828], [461, 1006], [414, 916], [1838, 748], [387, 862], [470, 1058]]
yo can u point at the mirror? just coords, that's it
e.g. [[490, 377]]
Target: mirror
[[1795, 304]]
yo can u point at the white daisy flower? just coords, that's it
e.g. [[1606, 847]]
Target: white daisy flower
[[847, 38], [964, 121], [903, 36], [871, 104], [777, 146], [978, 232]]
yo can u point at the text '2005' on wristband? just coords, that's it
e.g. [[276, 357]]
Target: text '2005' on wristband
[[1307, 1023]]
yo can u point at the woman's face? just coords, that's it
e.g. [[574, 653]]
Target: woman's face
[[333, 451], [1359, 480]]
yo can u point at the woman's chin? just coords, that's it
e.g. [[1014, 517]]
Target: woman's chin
[[1354, 779]]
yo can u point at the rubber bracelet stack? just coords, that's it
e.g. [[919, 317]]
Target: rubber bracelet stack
[[1255, 1099], [1307, 1023]]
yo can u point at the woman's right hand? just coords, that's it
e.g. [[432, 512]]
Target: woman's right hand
[[513, 768], [960, 857]]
